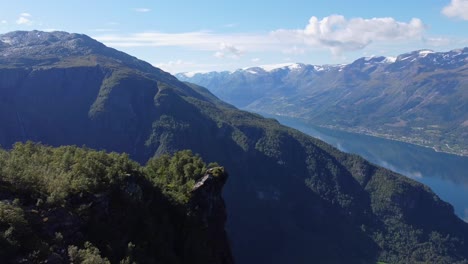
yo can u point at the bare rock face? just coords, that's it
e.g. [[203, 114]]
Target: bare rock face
[[207, 216], [206, 199]]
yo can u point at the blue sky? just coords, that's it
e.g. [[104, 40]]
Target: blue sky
[[204, 35]]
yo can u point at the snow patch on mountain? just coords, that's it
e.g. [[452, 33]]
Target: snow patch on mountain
[[272, 67], [6, 41], [453, 57], [390, 59], [193, 73], [319, 68], [295, 66], [251, 71], [424, 53]]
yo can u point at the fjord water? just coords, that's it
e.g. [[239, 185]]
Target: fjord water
[[445, 174]]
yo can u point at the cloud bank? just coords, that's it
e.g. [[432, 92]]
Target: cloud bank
[[457, 9], [339, 34], [335, 33]]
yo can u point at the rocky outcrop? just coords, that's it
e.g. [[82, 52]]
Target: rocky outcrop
[[206, 201], [207, 216]]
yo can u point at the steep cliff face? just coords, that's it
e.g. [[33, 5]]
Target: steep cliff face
[[207, 214], [74, 104], [291, 198]]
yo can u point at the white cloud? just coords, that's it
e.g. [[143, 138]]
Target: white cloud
[[142, 10], [255, 60], [457, 8], [339, 34], [3, 22], [335, 33], [199, 40], [228, 50], [24, 19]]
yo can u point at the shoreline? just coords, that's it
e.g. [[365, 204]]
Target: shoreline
[[362, 131], [391, 137]]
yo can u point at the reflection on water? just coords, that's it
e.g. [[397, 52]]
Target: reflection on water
[[446, 174]]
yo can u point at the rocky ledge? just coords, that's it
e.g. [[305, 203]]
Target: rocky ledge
[[207, 217]]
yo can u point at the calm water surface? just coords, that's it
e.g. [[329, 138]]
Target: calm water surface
[[445, 174]]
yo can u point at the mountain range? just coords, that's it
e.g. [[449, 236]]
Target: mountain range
[[290, 198], [419, 97]]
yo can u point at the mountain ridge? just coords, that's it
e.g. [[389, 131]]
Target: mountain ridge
[[290, 197], [418, 97]]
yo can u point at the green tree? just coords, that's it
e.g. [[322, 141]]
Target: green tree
[[176, 175]]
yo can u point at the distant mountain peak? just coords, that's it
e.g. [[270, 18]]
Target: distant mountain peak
[[411, 83], [274, 67], [289, 66], [390, 59], [415, 54], [192, 73], [35, 37], [379, 59], [39, 48], [453, 58], [373, 60], [40, 43], [424, 53]]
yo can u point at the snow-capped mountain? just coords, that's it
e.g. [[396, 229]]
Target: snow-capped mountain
[[420, 96]]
